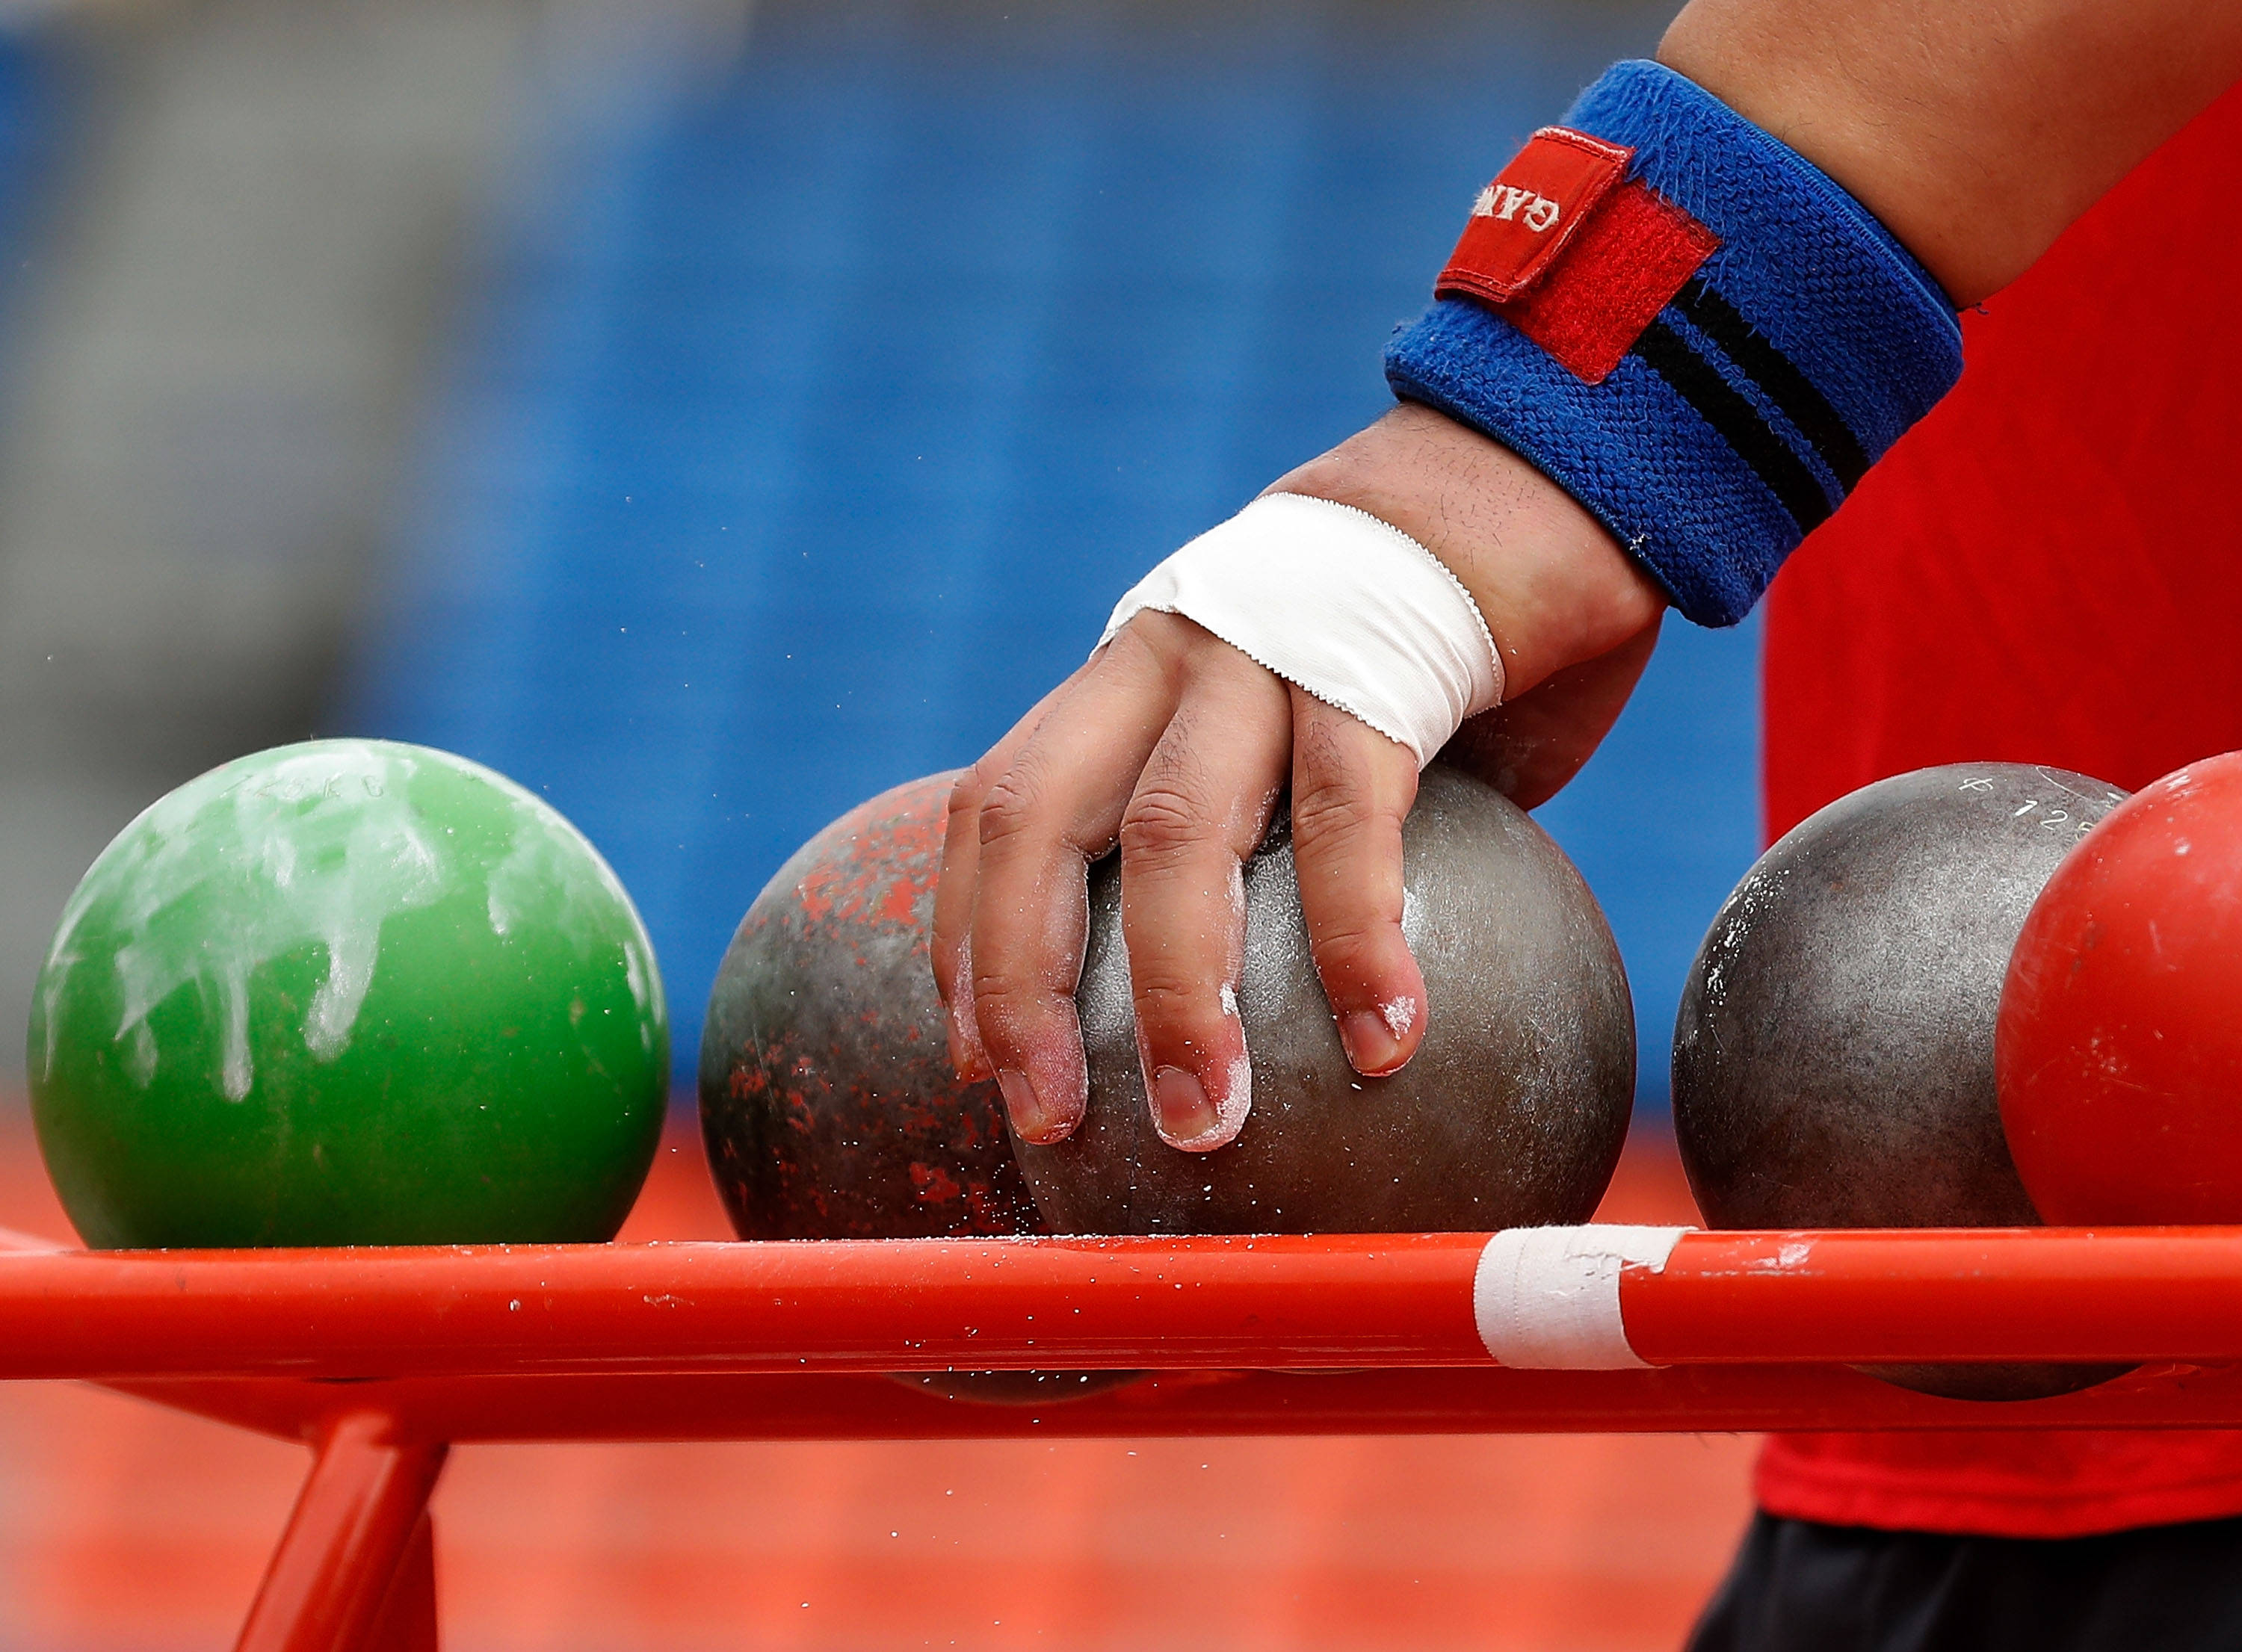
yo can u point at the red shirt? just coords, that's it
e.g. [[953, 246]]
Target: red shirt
[[2047, 570]]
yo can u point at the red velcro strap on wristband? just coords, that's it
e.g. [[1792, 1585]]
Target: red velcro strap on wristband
[[1523, 220], [1626, 250]]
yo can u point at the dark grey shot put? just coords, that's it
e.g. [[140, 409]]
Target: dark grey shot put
[[1511, 1115], [1833, 1058], [827, 1098]]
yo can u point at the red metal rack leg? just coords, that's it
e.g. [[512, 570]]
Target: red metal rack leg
[[360, 1520], [407, 1622]]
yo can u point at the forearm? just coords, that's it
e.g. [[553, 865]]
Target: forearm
[[1975, 132]]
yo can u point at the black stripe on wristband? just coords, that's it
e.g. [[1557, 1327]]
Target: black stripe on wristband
[[1737, 423], [1775, 373]]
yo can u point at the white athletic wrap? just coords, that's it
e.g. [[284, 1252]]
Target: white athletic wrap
[[1348, 607], [1547, 1299]]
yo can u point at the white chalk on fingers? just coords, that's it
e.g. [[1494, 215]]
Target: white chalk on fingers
[[1340, 604]]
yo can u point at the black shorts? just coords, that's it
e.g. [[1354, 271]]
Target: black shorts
[[1798, 1587]]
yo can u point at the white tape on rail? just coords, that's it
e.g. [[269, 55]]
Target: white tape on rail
[[1548, 1298], [1341, 603]]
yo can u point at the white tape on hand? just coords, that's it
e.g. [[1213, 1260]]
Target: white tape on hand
[[1547, 1299], [1346, 606]]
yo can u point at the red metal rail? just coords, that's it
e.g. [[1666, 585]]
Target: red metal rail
[[381, 1359], [1700, 1399], [902, 1304], [1299, 1304]]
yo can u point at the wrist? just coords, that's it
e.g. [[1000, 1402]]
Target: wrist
[[1554, 587], [1687, 326]]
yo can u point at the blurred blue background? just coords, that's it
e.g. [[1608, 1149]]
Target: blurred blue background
[[715, 417]]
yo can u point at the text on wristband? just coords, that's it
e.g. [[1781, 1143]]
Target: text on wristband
[[1572, 255], [1502, 201], [1523, 220]]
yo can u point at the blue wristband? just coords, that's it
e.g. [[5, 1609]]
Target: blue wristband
[[1741, 410]]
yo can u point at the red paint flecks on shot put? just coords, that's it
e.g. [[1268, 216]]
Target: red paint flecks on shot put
[[826, 1091], [885, 887]]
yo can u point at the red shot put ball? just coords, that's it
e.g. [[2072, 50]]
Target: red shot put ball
[[2119, 1050]]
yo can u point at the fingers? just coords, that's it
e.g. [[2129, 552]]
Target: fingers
[[1056, 807], [952, 943], [1197, 811], [1177, 746], [1351, 788]]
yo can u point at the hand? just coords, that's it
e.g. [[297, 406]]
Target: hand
[[1176, 746]]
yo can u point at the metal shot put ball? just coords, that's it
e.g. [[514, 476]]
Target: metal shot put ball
[[827, 1098], [1833, 1058], [1511, 1113]]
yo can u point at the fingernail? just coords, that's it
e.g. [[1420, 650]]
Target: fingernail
[[1374, 1048], [1031, 1117], [1180, 1109]]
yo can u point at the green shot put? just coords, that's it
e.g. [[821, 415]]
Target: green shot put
[[347, 993]]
